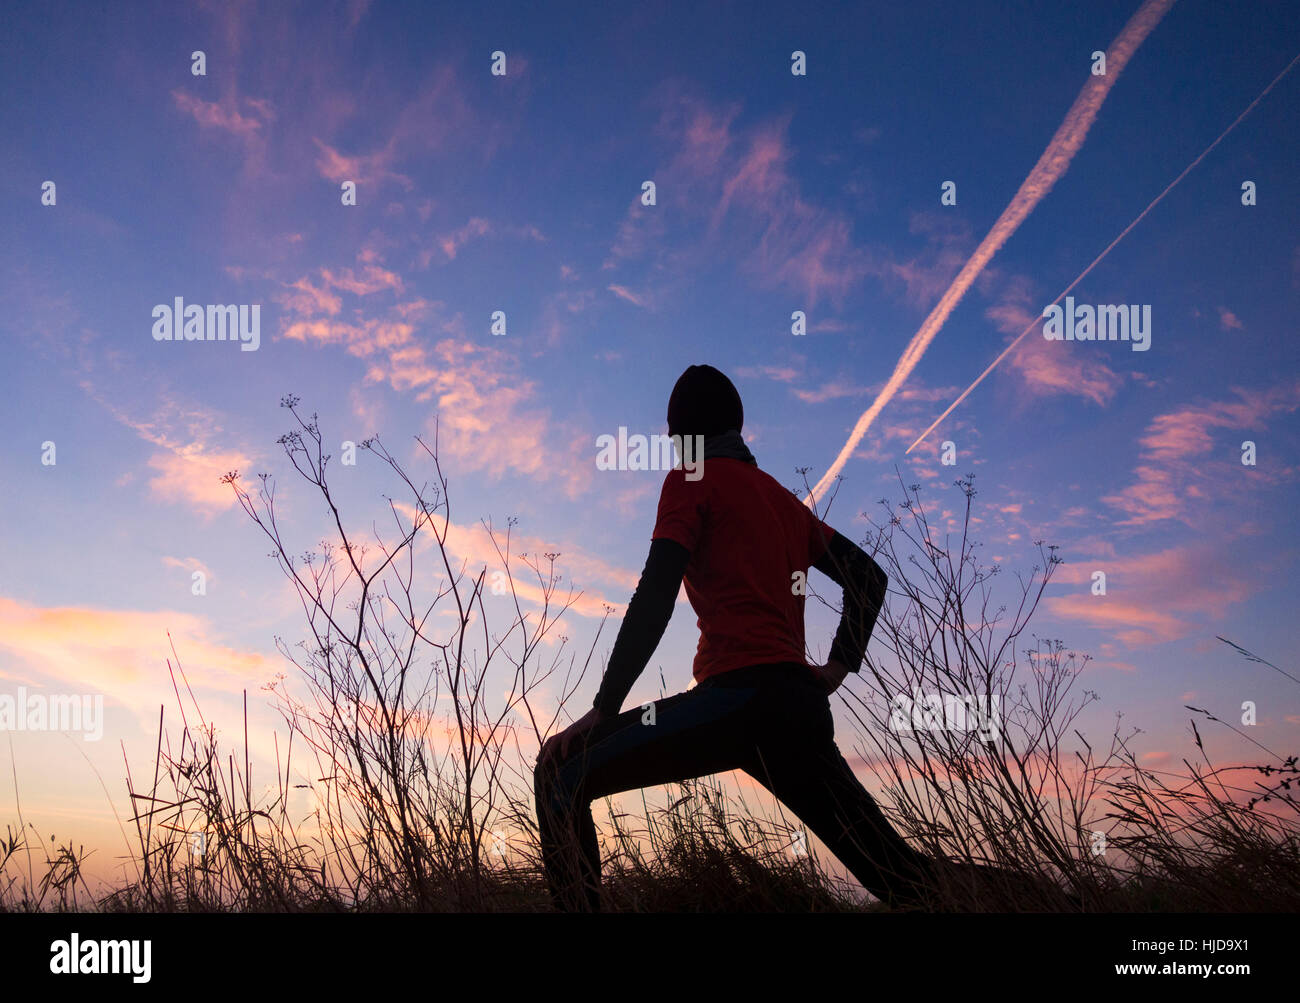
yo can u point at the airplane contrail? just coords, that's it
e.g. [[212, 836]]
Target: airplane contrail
[[1123, 233], [1051, 166]]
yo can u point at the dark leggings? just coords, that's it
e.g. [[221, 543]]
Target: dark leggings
[[772, 721]]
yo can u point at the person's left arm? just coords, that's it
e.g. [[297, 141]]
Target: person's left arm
[[864, 584]]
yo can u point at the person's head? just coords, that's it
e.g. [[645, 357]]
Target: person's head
[[704, 402]]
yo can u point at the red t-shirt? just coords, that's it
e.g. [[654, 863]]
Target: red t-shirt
[[747, 536]]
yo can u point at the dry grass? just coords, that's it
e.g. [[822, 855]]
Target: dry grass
[[405, 780]]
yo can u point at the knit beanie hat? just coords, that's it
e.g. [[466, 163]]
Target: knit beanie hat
[[704, 402]]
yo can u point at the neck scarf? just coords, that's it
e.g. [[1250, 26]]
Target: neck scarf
[[729, 445]]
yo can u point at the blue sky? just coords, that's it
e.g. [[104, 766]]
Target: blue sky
[[521, 193]]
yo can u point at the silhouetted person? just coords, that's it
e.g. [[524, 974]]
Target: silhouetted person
[[737, 538]]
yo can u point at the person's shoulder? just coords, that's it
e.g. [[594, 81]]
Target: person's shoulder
[[788, 497], [774, 486], [679, 481], [675, 477]]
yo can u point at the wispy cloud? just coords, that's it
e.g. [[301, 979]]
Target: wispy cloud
[[1154, 597], [192, 454], [741, 189], [1182, 466], [192, 474], [190, 565], [363, 169], [586, 577], [122, 653], [782, 374], [225, 116], [487, 417], [833, 390], [452, 242], [624, 293], [1051, 368]]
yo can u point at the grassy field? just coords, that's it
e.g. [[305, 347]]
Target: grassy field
[[419, 792]]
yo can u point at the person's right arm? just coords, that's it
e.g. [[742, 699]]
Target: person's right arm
[[647, 617], [864, 583]]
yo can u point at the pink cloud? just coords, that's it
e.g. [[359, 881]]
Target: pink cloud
[[308, 299], [782, 374], [484, 412], [1179, 463], [123, 652], [1051, 367], [761, 174], [1154, 597], [743, 188], [440, 119], [927, 273], [452, 242], [366, 409], [224, 115], [558, 307], [186, 466], [193, 475], [363, 338], [486, 421], [1047, 370], [800, 245], [363, 169], [372, 280], [833, 390], [1228, 320], [189, 565], [1134, 623], [703, 135], [641, 232], [622, 292], [578, 568]]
